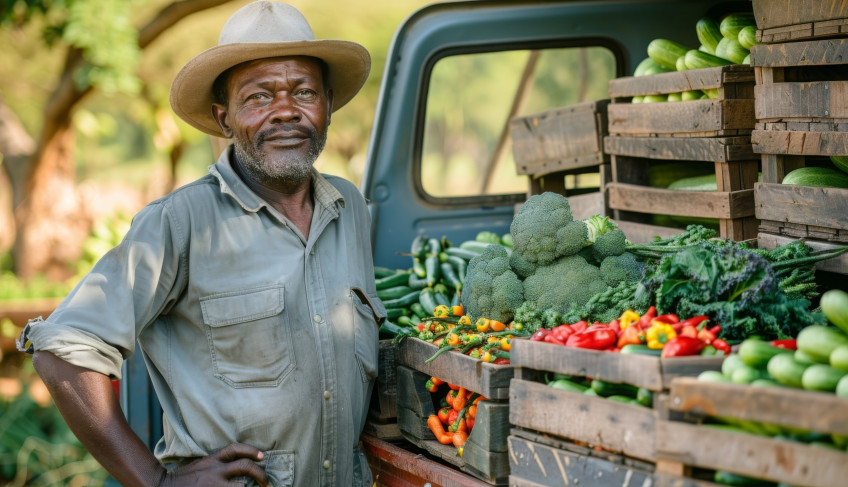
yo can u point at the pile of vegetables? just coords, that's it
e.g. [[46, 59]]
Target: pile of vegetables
[[721, 43], [626, 393], [456, 413]]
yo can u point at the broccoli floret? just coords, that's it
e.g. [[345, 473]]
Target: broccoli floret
[[544, 229], [605, 237], [568, 280], [491, 289], [621, 268], [521, 265], [531, 319]]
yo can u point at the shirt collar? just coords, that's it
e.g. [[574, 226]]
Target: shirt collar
[[324, 193]]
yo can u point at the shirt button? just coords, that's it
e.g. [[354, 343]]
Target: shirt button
[[326, 394], [326, 464], [316, 318]]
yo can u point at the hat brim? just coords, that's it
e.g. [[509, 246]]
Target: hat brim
[[191, 92]]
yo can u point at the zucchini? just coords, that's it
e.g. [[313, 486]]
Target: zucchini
[[400, 278], [757, 353], [666, 52], [708, 34], [394, 313], [418, 310], [416, 282], [450, 276], [607, 389], [475, 246], [404, 301], [823, 177], [841, 162], [394, 292], [748, 37], [821, 377], [834, 305], [461, 253], [819, 341], [735, 22], [696, 59], [786, 370]]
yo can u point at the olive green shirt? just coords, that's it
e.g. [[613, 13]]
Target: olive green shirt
[[250, 332]]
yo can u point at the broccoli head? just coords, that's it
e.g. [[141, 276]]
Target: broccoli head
[[605, 237], [625, 268], [567, 281], [491, 289], [543, 229]]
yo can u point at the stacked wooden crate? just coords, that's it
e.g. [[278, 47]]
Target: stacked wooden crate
[[704, 131], [686, 447], [561, 143], [592, 440], [484, 454], [382, 412], [801, 99]]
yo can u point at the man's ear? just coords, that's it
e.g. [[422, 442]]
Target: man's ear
[[221, 116]]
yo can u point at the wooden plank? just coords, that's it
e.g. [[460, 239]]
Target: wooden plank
[[396, 466], [805, 53], [673, 82], [585, 205], [621, 428], [537, 464], [838, 264], [641, 232], [808, 205], [660, 201], [713, 149], [775, 167], [699, 117], [489, 380], [798, 142], [563, 137], [750, 455], [814, 411], [817, 99], [777, 13]]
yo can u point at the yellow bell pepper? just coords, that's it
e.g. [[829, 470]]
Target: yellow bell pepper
[[628, 318], [658, 335], [483, 324]]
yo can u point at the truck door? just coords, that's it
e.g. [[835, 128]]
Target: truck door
[[440, 158]]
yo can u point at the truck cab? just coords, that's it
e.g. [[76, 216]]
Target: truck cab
[[440, 159]]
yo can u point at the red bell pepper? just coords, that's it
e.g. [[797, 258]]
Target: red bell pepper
[[688, 331], [540, 335], [721, 346], [551, 338], [501, 361], [788, 344], [668, 319], [562, 332], [645, 319], [580, 326], [599, 338], [695, 321], [681, 346], [615, 325]]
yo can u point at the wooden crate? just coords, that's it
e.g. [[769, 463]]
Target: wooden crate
[[616, 427], [485, 452], [632, 200], [488, 380], [383, 405], [682, 446], [538, 460], [730, 114], [786, 20]]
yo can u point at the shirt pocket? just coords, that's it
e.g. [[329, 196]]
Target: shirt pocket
[[249, 336], [366, 314]]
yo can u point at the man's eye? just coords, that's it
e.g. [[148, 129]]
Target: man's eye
[[307, 94]]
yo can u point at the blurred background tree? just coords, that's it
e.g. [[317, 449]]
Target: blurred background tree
[[86, 129]]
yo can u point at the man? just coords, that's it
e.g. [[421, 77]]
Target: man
[[250, 291]]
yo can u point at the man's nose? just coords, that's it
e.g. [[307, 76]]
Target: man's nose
[[284, 108]]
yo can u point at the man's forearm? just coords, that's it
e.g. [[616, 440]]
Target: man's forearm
[[89, 405]]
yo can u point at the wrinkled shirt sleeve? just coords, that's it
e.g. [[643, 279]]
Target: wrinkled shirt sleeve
[[97, 324]]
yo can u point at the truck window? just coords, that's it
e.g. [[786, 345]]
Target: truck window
[[466, 150]]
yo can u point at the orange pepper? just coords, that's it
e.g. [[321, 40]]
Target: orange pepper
[[497, 325], [460, 399], [457, 310], [453, 339], [464, 320]]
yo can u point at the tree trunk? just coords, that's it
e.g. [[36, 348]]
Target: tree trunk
[[16, 146]]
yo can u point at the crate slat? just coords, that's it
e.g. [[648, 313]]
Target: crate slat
[[696, 79], [804, 53], [780, 142], [793, 19], [696, 118], [707, 204], [816, 99], [714, 149], [806, 205]]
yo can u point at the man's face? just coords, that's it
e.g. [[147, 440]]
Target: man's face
[[277, 115]]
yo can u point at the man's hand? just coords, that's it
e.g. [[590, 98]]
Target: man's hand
[[234, 460]]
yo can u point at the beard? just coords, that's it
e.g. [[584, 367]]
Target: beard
[[286, 167]]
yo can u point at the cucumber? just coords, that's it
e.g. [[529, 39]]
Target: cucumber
[[824, 177], [766, 383], [645, 397], [666, 52], [757, 353], [404, 301], [745, 375], [786, 370], [841, 162], [696, 59], [735, 52], [735, 22], [747, 59], [380, 272], [567, 385], [821, 377], [474, 246], [713, 376], [721, 48], [461, 253], [747, 37], [654, 98], [842, 387], [802, 357], [736, 480], [640, 349], [637, 99], [834, 305], [643, 66], [680, 64], [427, 301], [819, 341], [708, 34], [675, 96], [606, 389], [394, 292], [691, 95], [696, 183], [839, 358], [730, 364], [400, 278]]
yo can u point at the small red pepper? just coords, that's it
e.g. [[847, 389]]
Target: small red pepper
[[540, 335], [615, 325], [551, 338], [788, 344], [580, 326], [721, 345], [631, 335], [688, 331], [501, 361], [562, 332], [680, 346], [693, 321], [595, 339], [452, 415], [668, 319], [706, 336], [645, 319], [443, 414]]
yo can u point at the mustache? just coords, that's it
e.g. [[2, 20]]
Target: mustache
[[285, 130]]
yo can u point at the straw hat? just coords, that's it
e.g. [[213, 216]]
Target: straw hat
[[260, 30]]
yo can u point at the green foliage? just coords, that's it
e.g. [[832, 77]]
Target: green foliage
[[491, 289]]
